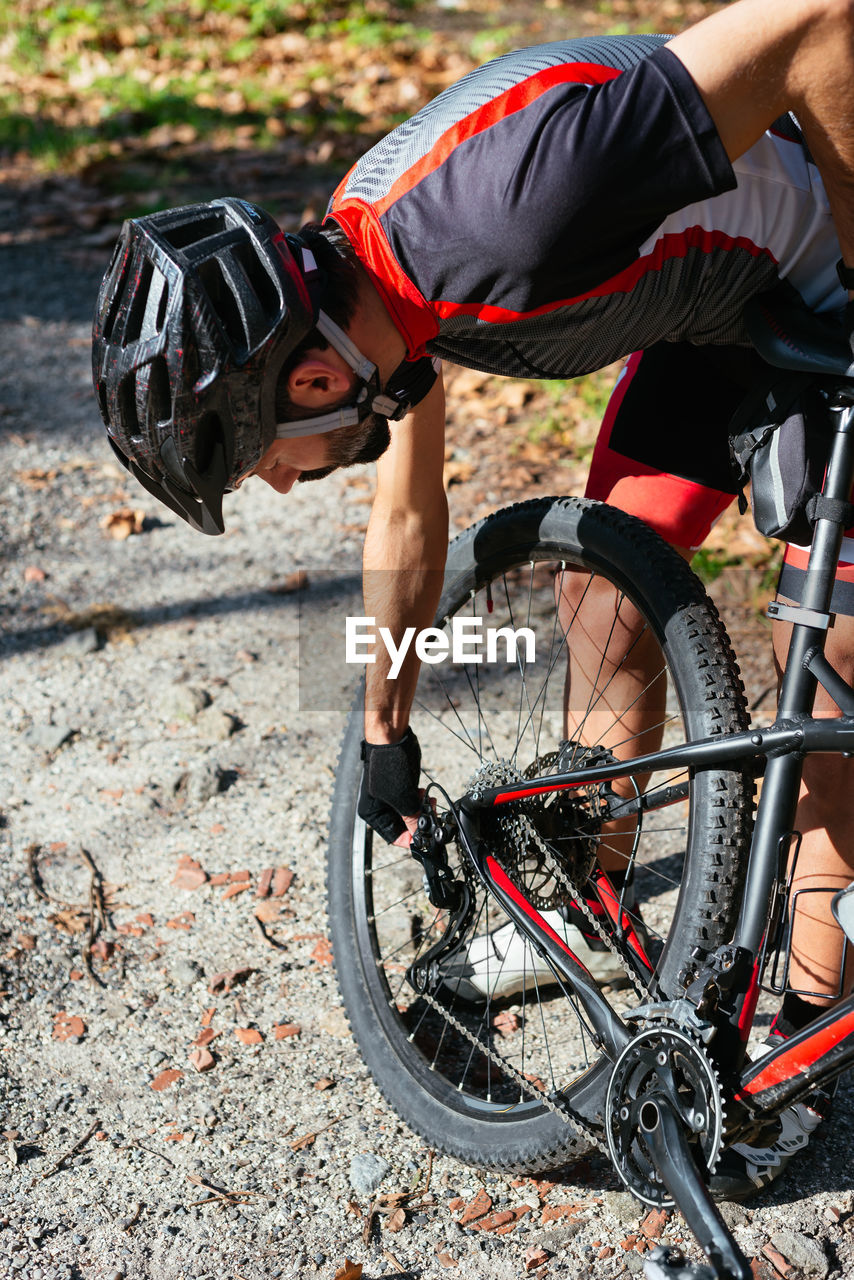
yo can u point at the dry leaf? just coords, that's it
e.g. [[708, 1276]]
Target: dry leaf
[[286, 1029], [325, 1082], [396, 1221], [349, 1271], [446, 1259], [233, 889], [282, 880], [225, 981], [166, 1078], [248, 1035], [71, 920], [322, 953], [190, 875], [185, 920], [66, 1025], [267, 911], [202, 1059], [476, 1208], [122, 523], [506, 1023]]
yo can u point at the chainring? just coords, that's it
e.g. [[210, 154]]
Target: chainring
[[666, 1059]]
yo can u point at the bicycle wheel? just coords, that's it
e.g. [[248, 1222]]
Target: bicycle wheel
[[455, 1069]]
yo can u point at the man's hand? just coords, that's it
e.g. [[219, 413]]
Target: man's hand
[[390, 786]]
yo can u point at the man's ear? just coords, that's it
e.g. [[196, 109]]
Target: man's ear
[[319, 380]]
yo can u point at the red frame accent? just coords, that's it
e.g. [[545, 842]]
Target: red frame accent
[[503, 881], [795, 1061]]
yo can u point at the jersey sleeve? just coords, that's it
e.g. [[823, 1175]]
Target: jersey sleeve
[[547, 202]]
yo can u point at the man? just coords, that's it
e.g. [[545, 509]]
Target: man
[[558, 209]]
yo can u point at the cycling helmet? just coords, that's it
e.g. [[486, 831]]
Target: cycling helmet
[[198, 312]]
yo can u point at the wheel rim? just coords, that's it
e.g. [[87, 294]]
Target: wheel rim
[[465, 716]]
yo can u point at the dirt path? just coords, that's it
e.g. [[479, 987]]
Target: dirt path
[[151, 720]]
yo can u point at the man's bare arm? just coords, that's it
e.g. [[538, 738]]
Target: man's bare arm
[[755, 60], [404, 557]]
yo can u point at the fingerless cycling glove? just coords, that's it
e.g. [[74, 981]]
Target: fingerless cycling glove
[[390, 784]]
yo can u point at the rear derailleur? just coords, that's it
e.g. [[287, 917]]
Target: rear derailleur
[[445, 891]]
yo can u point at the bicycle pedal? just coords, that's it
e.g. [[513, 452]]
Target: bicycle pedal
[[667, 1263]]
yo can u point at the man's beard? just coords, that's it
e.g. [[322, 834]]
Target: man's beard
[[354, 445]]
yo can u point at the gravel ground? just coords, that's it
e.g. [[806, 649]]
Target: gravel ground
[[152, 728]]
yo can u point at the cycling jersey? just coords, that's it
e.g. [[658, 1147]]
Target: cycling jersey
[[571, 203]]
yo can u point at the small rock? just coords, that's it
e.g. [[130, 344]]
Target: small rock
[[183, 701], [733, 1214], [367, 1172], [624, 1207], [217, 725], [803, 1252], [49, 737], [79, 644], [203, 782], [186, 972]]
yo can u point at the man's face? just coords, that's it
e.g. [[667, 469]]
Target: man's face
[[289, 460]]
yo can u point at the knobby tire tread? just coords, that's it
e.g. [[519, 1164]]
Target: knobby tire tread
[[716, 860]]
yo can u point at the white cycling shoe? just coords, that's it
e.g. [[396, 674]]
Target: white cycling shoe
[[497, 965]]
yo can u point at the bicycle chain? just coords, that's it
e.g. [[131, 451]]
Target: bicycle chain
[[507, 1068], [523, 829], [503, 775]]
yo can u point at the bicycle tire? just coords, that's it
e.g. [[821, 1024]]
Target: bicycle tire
[[469, 1120]]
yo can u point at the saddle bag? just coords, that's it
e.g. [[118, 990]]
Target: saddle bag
[[779, 443]]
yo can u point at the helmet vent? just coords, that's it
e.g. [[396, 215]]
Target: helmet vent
[[114, 287], [159, 392], [161, 306], [103, 402], [139, 300], [127, 405], [209, 434], [194, 230], [260, 279], [223, 302]]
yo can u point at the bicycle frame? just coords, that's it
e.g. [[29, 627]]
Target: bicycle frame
[[727, 986]]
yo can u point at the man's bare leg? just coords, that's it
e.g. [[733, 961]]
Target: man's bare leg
[[616, 686], [825, 820]]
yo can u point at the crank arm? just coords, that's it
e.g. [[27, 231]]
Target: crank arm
[[609, 1029], [663, 1135]]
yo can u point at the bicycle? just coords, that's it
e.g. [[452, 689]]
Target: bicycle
[[535, 797]]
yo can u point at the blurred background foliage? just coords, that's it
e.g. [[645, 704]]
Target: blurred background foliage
[[94, 88], [118, 108]]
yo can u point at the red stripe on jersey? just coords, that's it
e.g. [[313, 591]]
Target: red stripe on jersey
[[672, 245], [795, 1060], [506, 104], [410, 311]]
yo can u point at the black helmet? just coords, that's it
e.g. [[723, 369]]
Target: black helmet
[[198, 311]]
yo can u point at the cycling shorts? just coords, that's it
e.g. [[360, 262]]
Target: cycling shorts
[[663, 451]]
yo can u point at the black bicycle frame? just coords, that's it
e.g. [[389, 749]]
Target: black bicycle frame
[[824, 1049]]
